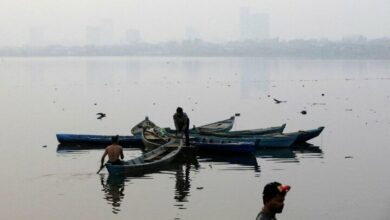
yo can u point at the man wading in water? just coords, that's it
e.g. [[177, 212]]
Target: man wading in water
[[182, 123], [114, 151]]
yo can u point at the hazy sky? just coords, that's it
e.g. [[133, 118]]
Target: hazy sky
[[64, 21]]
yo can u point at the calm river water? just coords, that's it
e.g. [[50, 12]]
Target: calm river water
[[344, 175]]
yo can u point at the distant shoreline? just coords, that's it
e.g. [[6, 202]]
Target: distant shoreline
[[273, 48]]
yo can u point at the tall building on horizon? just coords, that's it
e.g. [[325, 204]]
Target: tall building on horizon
[[253, 26]]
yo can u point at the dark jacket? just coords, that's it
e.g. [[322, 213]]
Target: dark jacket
[[181, 121]]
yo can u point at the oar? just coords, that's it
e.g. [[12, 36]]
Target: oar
[[100, 169]]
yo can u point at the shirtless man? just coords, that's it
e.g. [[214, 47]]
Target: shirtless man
[[114, 151]]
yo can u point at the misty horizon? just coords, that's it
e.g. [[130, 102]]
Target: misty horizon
[[74, 23]]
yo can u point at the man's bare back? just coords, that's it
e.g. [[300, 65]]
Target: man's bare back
[[114, 151]]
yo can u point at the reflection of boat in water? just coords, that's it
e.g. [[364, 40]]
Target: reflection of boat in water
[[290, 154], [113, 189], [244, 162], [114, 185]]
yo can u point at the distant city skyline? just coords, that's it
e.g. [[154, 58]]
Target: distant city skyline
[[71, 22]]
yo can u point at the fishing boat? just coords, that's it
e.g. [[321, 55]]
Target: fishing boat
[[146, 123], [148, 162], [251, 132], [270, 140], [219, 126], [207, 145], [304, 136], [153, 138], [261, 141], [97, 139], [156, 136]]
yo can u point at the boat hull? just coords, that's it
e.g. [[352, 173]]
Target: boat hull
[[97, 139], [141, 165]]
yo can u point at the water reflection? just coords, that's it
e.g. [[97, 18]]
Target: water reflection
[[290, 155], [183, 181], [240, 162], [113, 189], [114, 186]]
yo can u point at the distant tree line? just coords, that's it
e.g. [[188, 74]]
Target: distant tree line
[[356, 48]]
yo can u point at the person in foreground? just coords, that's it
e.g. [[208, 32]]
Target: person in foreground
[[273, 200], [182, 123], [114, 151]]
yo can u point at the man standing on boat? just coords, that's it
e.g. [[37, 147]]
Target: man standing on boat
[[182, 124], [114, 151], [273, 199]]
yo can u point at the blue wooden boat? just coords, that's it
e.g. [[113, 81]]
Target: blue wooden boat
[[97, 139], [154, 137], [261, 141], [251, 132], [271, 140], [304, 136], [208, 145], [151, 161]]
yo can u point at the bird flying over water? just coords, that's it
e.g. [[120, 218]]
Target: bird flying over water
[[100, 115], [278, 101]]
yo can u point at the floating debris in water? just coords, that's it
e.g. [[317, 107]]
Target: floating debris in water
[[323, 94], [95, 103], [44, 146], [318, 103], [237, 114], [303, 112], [199, 187], [348, 109], [348, 157]]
